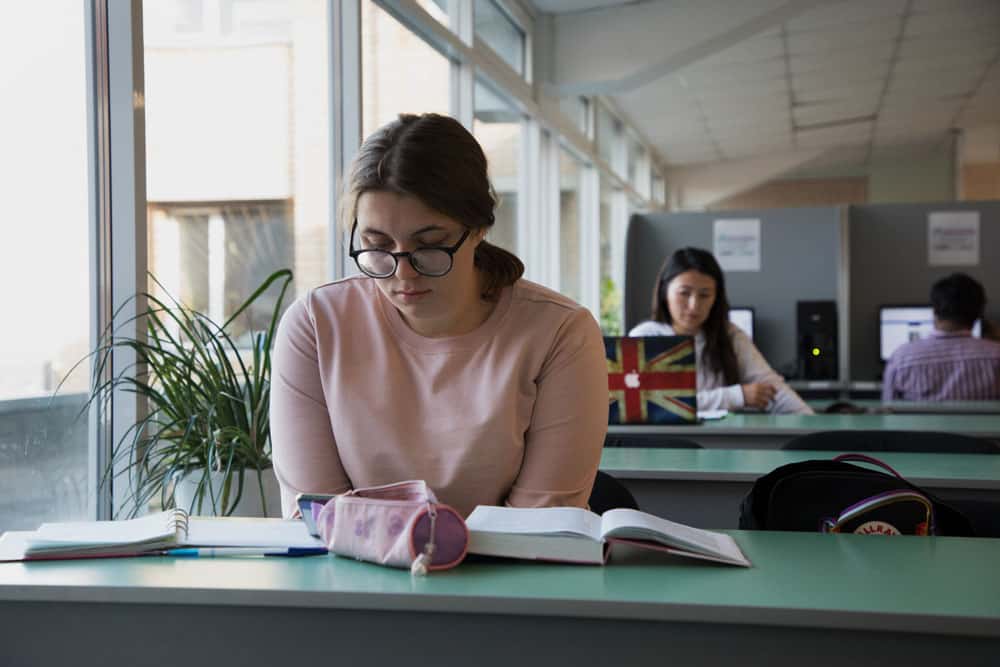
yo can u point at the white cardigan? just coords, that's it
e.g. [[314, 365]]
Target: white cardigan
[[712, 394]]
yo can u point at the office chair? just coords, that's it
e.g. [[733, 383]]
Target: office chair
[[649, 440], [608, 493], [893, 441]]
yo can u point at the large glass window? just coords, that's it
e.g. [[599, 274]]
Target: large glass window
[[400, 72], [570, 172], [438, 9], [609, 139], [237, 147], [497, 127], [611, 292], [576, 109], [500, 33], [44, 264]]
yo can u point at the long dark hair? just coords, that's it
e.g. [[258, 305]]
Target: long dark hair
[[718, 354], [435, 159]]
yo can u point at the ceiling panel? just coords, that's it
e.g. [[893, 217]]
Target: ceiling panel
[[565, 6], [920, 6], [751, 129], [775, 93], [834, 136], [829, 113], [939, 23], [762, 47], [952, 45], [746, 106], [846, 59], [854, 11], [840, 38], [860, 94], [762, 73], [913, 89]]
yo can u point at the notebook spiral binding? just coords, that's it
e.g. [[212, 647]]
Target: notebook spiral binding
[[178, 520]]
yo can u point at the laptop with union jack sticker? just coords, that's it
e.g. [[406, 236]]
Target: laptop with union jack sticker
[[651, 380]]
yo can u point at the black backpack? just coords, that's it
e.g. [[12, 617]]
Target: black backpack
[[836, 496]]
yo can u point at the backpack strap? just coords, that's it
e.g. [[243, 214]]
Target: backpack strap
[[834, 525], [864, 458]]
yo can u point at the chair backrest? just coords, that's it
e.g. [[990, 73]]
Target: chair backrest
[[893, 441], [648, 440], [608, 493]]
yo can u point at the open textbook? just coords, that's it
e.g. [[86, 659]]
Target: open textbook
[[571, 534], [153, 533]]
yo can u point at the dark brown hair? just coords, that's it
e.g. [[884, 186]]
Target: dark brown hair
[[958, 298], [435, 159], [718, 353]]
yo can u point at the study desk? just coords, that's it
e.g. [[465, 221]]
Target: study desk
[[759, 431], [704, 487], [810, 599]]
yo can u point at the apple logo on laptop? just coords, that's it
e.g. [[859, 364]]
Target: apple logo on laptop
[[632, 380]]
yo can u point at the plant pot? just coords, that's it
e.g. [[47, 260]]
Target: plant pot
[[250, 504]]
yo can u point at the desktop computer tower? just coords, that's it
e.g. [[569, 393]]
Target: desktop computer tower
[[816, 325]]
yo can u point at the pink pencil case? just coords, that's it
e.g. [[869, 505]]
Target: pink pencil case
[[400, 525]]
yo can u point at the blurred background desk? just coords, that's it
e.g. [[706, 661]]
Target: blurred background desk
[[760, 431], [704, 487], [845, 598]]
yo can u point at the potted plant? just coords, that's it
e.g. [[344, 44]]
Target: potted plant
[[204, 442]]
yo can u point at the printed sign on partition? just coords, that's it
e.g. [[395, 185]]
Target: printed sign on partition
[[737, 244], [953, 238]]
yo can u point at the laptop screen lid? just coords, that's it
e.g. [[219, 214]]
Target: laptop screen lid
[[651, 380]]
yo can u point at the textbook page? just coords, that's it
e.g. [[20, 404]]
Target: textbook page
[[536, 521], [249, 532], [632, 524]]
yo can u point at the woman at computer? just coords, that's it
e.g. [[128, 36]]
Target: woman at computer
[[438, 362], [690, 300]]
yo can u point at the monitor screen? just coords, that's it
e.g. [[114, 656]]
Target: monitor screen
[[901, 324], [743, 318]]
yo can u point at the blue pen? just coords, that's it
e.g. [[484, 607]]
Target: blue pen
[[215, 552]]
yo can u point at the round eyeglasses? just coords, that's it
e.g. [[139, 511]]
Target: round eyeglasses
[[433, 262]]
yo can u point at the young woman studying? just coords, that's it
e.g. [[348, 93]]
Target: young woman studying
[[438, 362], [690, 299]]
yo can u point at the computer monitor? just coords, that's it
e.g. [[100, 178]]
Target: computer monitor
[[743, 318], [902, 324]]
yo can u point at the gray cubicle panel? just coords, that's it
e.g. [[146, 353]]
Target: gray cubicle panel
[[801, 252], [889, 265]]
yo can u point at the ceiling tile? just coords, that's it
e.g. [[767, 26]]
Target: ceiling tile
[[854, 11], [761, 47], [840, 38], [829, 113], [868, 94], [834, 136], [946, 81], [847, 59], [935, 23], [763, 72], [922, 6], [966, 45], [914, 88]]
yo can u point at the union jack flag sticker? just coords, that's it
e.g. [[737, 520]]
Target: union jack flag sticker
[[651, 380]]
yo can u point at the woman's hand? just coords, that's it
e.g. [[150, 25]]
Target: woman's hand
[[758, 395]]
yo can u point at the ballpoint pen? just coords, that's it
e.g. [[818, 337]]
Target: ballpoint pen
[[215, 552]]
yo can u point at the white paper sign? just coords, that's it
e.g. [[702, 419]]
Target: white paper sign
[[953, 238], [737, 244]]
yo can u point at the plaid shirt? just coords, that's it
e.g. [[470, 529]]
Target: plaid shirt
[[944, 367]]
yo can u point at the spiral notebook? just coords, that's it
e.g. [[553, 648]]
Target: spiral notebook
[[150, 534]]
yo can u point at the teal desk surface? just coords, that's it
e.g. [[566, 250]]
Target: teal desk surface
[[966, 471], [790, 425], [941, 586]]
